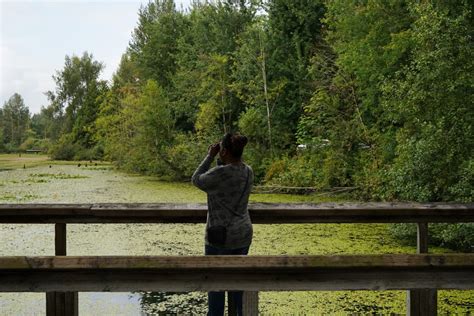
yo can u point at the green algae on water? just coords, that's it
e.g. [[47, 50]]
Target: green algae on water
[[86, 185]]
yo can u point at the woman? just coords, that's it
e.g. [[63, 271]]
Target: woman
[[228, 229]]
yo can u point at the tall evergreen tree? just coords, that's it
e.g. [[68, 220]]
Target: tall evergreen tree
[[75, 100], [15, 120], [154, 41], [295, 30]]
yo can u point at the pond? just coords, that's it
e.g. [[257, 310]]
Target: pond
[[34, 179]]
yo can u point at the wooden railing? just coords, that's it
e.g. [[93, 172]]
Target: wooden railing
[[415, 272], [248, 273]]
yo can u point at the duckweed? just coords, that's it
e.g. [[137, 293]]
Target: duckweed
[[68, 183]]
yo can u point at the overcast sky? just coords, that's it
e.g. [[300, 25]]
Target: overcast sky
[[36, 35]]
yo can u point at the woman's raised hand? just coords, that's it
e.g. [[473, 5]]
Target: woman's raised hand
[[213, 149]]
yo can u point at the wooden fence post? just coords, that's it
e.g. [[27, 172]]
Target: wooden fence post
[[249, 304], [425, 301], [61, 303]]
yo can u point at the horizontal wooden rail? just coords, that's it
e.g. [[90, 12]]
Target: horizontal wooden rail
[[261, 213], [249, 273], [395, 261], [422, 274]]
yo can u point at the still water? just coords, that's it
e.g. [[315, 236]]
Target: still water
[[54, 182]]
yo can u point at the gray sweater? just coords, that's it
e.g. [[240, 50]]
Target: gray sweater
[[224, 186]]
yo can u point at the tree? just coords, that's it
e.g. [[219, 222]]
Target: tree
[[270, 76], [371, 40], [215, 114], [154, 41], [15, 119], [431, 98], [75, 101], [155, 132], [203, 77], [250, 81]]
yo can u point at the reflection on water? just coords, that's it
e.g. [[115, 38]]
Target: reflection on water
[[156, 303], [117, 304]]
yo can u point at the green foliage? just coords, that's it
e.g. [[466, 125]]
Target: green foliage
[[297, 171], [154, 46], [65, 149], [73, 108], [295, 32], [424, 168], [215, 113], [463, 188], [323, 170], [436, 140], [32, 142], [378, 92], [455, 236], [136, 129], [252, 123], [186, 153], [47, 124], [14, 122], [203, 98]]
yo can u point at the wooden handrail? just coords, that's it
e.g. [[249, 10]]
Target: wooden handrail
[[422, 274], [391, 261], [248, 273], [261, 213]]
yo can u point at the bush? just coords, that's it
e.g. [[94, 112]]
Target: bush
[[35, 143], [10, 148], [301, 171], [186, 155], [455, 236], [95, 153], [463, 189], [65, 149]]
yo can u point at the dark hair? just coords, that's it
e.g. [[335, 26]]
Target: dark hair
[[234, 143]]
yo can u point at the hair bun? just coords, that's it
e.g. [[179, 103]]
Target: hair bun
[[235, 143], [239, 140], [245, 140]]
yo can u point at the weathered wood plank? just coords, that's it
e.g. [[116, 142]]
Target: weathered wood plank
[[250, 303], [125, 280], [261, 213], [71, 304], [398, 261], [60, 239], [422, 302], [422, 238], [247, 273], [50, 303], [231, 306], [61, 303]]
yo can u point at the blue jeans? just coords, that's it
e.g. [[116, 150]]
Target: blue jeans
[[216, 300]]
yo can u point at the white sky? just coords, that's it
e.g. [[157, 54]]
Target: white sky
[[36, 35]]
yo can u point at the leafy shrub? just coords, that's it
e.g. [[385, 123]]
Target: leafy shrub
[[455, 236], [65, 149], [301, 171], [463, 189], [186, 155], [35, 143], [95, 153]]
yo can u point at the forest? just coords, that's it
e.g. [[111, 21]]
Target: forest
[[372, 95]]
